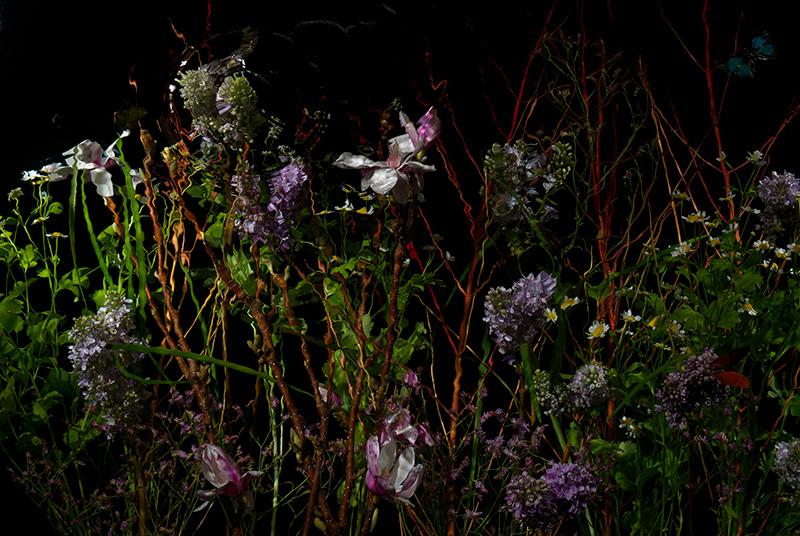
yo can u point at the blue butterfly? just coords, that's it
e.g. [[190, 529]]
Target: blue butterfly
[[743, 65]]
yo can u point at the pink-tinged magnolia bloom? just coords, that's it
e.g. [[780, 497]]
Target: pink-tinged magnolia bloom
[[223, 473], [89, 156], [395, 173], [389, 473]]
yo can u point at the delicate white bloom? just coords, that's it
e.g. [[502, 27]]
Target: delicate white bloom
[[550, 314], [569, 302], [762, 245], [756, 158], [794, 248], [629, 317], [697, 217], [714, 241], [782, 254], [747, 307], [682, 249], [597, 330]]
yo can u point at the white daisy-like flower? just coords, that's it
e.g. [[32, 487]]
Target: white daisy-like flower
[[748, 308], [782, 254], [714, 241], [629, 317], [762, 245], [794, 248], [682, 249], [676, 329], [569, 302], [597, 330], [550, 314], [697, 217], [756, 158]]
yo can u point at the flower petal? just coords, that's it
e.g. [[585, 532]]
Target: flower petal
[[411, 483], [402, 467], [354, 161], [382, 180], [401, 145], [102, 181]]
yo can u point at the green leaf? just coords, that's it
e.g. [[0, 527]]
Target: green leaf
[[214, 235], [10, 320]]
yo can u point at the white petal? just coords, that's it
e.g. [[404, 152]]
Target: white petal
[[353, 161], [382, 180], [102, 181], [403, 466], [402, 144], [413, 164]]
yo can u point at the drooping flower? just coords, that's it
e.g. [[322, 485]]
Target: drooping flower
[[401, 173], [391, 473], [516, 315], [116, 399], [226, 477]]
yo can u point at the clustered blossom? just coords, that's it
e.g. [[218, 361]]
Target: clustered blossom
[[401, 173], [520, 177], [516, 315], [272, 224], [287, 193], [779, 194], [117, 399], [689, 389], [587, 389], [563, 489], [787, 463], [222, 111]]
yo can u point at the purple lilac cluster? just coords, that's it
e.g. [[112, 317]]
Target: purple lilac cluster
[[287, 192], [787, 463], [689, 389], [274, 224], [516, 315], [779, 194], [117, 399], [538, 502]]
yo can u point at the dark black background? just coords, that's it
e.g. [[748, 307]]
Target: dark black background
[[65, 66]]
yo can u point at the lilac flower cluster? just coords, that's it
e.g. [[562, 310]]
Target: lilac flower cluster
[[787, 463], [690, 389], [779, 193], [287, 193], [117, 399], [516, 315], [274, 224], [563, 489]]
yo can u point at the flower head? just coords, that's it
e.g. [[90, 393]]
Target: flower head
[[597, 330], [401, 173], [516, 315], [787, 463], [224, 474], [391, 473]]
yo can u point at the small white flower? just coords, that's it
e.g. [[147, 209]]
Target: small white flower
[[748, 308], [697, 217], [714, 241], [550, 314], [569, 302], [597, 330], [782, 254], [676, 330], [762, 245], [628, 317], [682, 249], [794, 248], [756, 158]]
